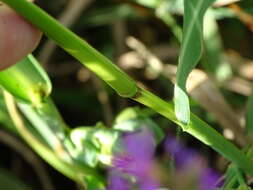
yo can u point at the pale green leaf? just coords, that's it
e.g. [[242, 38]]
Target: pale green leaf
[[47, 121], [26, 81], [214, 59], [191, 52], [94, 144]]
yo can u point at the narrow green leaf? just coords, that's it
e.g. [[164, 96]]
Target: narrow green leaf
[[214, 60], [182, 105], [212, 43], [26, 81], [163, 12], [231, 177], [47, 121], [5, 120], [191, 52], [234, 178]]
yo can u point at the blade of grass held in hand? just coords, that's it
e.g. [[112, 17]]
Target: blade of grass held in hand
[[191, 52], [77, 47]]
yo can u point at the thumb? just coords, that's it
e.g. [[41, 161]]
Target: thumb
[[17, 37]]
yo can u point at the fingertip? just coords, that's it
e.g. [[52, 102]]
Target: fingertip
[[17, 37]]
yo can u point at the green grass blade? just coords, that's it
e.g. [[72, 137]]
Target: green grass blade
[[199, 129], [191, 52], [231, 177], [27, 81], [214, 60], [162, 12], [212, 43], [234, 178], [77, 47]]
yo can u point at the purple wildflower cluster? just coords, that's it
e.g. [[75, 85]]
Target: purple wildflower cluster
[[134, 167]]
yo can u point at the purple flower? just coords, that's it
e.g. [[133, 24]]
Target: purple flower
[[117, 181], [208, 179], [188, 161], [181, 155], [138, 153], [136, 160], [148, 183], [133, 167]]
